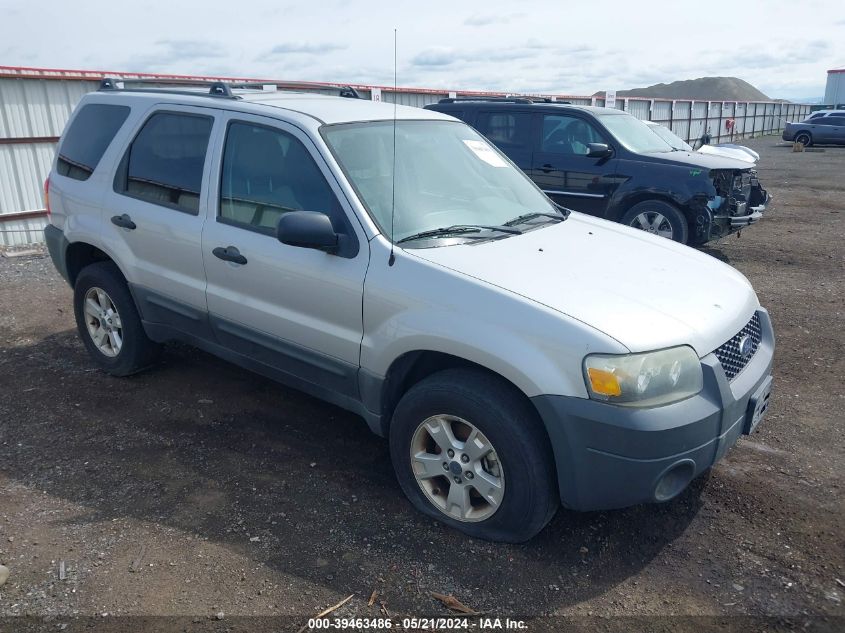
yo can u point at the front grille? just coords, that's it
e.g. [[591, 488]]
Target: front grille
[[728, 354]]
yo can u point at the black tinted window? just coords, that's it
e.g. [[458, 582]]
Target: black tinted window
[[831, 120], [88, 137], [165, 161], [267, 172], [508, 130], [568, 135]]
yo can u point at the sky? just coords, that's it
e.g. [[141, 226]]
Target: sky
[[569, 47]]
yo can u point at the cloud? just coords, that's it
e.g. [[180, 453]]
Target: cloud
[[788, 54], [486, 20], [305, 48], [444, 56], [434, 57], [174, 51]]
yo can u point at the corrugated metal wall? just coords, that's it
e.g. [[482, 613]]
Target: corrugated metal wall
[[35, 104], [33, 113]]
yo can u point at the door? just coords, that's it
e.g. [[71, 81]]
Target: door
[[298, 310], [155, 211], [562, 169], [829, 129], [837, 135], [510, 131]]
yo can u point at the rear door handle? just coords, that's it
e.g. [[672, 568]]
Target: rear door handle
[[547, 168], [229, 254], [124, 221]]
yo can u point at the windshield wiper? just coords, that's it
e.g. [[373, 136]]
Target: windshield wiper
[[458, 229], [560, 217]]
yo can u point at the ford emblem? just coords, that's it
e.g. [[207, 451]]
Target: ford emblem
[[746, 346]]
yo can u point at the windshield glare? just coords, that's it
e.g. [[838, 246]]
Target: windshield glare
[[634, 134], [669, 136], [446, 174]]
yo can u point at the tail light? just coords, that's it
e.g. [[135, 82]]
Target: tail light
[[47, 196]]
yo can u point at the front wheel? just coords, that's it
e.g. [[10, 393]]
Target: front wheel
[[658, 218], [469, 451], [804, 138]]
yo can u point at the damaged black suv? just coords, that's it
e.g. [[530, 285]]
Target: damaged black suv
[[608, 163]]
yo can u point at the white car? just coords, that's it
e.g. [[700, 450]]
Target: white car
[[517, 355], [728, 150]]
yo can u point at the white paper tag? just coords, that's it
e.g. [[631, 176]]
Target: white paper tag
[[486, 153]]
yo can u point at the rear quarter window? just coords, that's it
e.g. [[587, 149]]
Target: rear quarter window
[[89, 135], [508, 130]]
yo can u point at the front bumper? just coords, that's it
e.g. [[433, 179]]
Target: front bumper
[[739, 222], [609, 456]]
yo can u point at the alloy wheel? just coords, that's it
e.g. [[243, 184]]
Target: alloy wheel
[[457, 468], [103, 322], [653, 222]]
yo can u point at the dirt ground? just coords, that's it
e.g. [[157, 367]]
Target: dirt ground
[[199, 489]]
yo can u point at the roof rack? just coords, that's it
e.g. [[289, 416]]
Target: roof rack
[[218, 89], [488, 99], [513, 99]]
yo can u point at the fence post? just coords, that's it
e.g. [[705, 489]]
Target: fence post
[[672, 116], [689, 122], [719, 133]]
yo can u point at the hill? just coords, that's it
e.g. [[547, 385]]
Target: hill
[[701, 89]]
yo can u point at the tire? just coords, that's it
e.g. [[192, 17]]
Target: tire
[[658, 217], [520, 461], [113, 336], [805, 138]]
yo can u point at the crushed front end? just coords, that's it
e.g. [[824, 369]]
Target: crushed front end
[[740, 200]]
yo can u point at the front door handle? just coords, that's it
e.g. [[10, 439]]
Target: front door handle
[[547, 168], [229, 254], [124, 221]]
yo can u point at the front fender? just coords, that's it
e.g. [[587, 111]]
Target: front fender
[[687, 187], [417, 305]]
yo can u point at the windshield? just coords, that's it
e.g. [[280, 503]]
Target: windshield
[[446, 175], [669, 136], [634, 134]]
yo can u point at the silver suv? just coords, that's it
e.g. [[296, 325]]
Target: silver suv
[[393, 262]]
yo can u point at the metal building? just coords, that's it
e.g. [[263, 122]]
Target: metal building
[[834, 92], [35, 104]]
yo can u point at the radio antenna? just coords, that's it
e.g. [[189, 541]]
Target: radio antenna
[[392, 257]]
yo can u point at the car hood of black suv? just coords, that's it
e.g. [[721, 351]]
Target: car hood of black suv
[[695, 159]]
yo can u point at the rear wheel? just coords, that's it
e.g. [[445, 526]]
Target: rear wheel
[[108, 321], [659, 218], [469, 451], [805, 138]]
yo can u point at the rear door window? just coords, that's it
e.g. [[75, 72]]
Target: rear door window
[[164, 164], [89, 135]]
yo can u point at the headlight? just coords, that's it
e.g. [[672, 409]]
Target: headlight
[[644, 380]]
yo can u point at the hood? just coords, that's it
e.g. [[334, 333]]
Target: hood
[[728, 152], [645, 291], [697, 159]]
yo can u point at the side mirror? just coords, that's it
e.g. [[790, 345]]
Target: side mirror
[[307, 229], [598, 150]]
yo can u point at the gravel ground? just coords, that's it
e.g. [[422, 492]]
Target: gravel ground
[[201, 490]]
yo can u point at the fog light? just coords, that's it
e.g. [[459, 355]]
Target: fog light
[[672, 482]]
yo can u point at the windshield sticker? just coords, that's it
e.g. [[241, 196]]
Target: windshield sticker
[[486, 153]]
